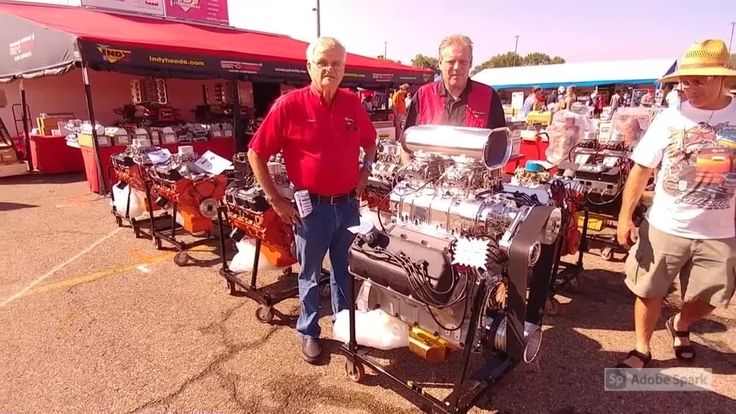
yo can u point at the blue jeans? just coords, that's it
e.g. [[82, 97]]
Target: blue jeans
[[326, 228]]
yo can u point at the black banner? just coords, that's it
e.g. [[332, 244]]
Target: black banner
[[116, 57], [30, 49]]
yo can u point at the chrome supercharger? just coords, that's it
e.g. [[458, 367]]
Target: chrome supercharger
[[465, 265]]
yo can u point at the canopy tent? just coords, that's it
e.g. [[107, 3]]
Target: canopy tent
[[46, 39], [586, 74]]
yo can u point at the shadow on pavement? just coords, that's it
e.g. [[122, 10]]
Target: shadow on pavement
[[38, 178], [14, 206]]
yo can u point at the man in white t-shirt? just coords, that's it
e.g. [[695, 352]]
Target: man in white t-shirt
[[689, 229]]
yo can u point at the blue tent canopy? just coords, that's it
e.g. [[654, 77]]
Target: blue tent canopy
[[587, 74]]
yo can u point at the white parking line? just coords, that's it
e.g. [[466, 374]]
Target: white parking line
[[57, 268]]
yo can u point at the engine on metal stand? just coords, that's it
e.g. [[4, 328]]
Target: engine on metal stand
[[193, 192], [450, 251], [250, 214]]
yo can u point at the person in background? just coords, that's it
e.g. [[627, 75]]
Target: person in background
[[689, 229], [541, 102], [531, 101], [368, 103], [647, 99], [570, 98], [398, 100], [455, 99], [320, 129], [407, 100], [673, 98], [552, 98], [615, 102]]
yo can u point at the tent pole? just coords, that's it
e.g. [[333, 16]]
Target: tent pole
[[238, 127], [26, 133], [91, 114]]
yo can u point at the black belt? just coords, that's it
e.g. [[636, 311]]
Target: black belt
[[331, 200]]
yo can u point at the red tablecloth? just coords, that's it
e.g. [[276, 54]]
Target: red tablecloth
[[223, 147], [528, 150], [51, 155]]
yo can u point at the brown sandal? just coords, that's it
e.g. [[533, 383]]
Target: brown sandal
[[680, 349], [645, 359]]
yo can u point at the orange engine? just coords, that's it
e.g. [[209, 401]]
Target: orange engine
[[250, 212], [128, 171], [196, 200]]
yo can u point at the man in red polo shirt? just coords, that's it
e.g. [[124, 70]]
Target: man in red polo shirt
[[320, 129]]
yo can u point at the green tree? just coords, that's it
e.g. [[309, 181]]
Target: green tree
[[512, 59], [500, 61], [422, 61]]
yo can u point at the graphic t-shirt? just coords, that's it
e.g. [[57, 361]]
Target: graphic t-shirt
[[694, 150]]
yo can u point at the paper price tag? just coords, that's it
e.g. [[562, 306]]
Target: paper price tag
[[471, 253]]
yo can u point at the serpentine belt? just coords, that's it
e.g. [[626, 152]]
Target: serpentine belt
[[528, 232]]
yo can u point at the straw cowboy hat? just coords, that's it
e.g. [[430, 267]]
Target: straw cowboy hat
[[707, 58]]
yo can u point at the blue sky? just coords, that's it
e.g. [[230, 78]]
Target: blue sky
[[578, 30]]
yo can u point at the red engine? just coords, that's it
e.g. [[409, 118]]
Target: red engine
[[128, 171], [249, 211], [196, 199]]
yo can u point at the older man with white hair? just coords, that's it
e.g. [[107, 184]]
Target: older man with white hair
[[320, 129]]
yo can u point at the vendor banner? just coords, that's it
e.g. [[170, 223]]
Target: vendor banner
[[26, 48], [154, 7], [207, 11], [114, 57]]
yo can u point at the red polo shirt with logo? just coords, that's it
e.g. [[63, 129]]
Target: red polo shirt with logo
[[320, 141]]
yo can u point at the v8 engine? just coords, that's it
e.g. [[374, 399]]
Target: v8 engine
[[450, 252]]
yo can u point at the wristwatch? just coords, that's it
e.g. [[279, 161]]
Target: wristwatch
[[368, 165]]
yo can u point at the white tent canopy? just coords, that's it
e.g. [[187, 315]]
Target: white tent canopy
[[580, 74]]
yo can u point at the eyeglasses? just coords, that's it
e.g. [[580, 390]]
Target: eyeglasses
[[698, 82], [324, 65]]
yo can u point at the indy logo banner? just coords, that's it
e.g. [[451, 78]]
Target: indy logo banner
[[658, 379]]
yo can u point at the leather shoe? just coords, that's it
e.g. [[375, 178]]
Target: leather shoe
[[311, 349]]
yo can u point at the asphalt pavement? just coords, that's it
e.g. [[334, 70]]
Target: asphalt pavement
[[95, 320]]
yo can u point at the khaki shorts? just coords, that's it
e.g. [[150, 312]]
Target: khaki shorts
[[707, 268]]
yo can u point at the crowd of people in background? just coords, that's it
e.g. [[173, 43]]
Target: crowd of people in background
[[564, 98]]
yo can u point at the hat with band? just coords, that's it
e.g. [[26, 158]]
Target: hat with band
[[706, 58]]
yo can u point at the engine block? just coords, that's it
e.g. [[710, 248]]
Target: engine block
[[195, 194], [445, 231], [250, 214]]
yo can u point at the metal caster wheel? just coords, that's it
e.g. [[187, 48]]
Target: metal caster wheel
[[181, 258], [119, 221], [157, 243], [552, 307], [607, 253], [324, 291], [137, 231], [264, 314], [355, 371]]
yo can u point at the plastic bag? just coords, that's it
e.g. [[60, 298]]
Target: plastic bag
[[567, 129], [243, 259], [375, 329], [137, 206]]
